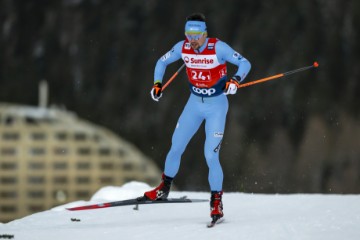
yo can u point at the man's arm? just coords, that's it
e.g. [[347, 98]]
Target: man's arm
[[226, 54], [171, 56]]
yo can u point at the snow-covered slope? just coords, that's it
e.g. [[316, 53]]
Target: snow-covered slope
[[247, 216]]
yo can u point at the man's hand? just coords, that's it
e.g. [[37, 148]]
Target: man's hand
[[156, 91], [232, 85]]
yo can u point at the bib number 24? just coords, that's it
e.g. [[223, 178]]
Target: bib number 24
[[200, 75]]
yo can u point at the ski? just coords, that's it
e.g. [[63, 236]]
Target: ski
[[214, 222], [135, 201]]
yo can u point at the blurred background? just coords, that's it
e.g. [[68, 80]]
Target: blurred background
[[291, 135]]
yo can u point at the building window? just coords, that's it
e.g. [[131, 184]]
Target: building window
[[38, 136], [8, 166], [11, 136], [128, 166], [82, 194], [8, 180], [106, 180], [79, 136], [83, 165], [36, 194], [31, 121], [36, 165], [60, 180], [61, 151], [8, 194], [61, 136], [128, 179], [60, 165], [84, 151], [104, 152], [36, 180], [106, 166], [37, 151], [8, 151], [83, 180], [8, 209], [9, 120], [36, 208]]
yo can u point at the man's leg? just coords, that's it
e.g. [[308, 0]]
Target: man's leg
[[188, 124], [214, 128]]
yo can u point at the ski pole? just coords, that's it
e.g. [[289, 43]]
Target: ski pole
[[315, 65], [172, 77]]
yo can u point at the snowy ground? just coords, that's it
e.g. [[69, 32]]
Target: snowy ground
[[247, 216]]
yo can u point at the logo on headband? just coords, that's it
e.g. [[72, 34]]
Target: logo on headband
[[195, 26]]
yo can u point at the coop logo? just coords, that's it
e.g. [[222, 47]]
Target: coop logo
[[201, 61], [204, 91]]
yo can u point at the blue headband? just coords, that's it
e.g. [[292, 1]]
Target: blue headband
[[195, 26]]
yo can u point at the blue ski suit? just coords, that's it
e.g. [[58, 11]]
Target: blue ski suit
[[208, 104]]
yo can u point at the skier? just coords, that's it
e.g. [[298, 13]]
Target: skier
[[205, 60]]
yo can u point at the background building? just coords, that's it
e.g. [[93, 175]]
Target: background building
[[49, 157]]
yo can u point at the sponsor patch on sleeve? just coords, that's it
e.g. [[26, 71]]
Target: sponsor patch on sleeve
[[237, 55], [166, 56]]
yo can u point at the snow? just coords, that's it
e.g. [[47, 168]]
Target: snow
[[247, 216]]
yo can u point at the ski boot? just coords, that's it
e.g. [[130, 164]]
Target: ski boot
[[216, 206], [162, 191]]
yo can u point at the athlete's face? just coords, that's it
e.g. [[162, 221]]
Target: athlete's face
[[196, 40]]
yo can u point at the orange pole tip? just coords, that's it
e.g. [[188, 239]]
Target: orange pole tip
[[316, 64]]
